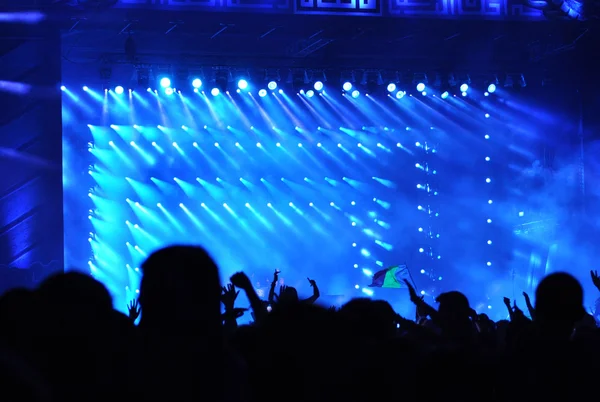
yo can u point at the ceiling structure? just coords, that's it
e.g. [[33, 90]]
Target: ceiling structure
[[173, 38], [291, 41]]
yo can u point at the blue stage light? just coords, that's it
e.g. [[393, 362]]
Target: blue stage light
[[169, 91], [355, 94], [272, 85], [85, 88], [464, 88], [119, 90], [391, 87], [262, 93], [215, 91], [318, 86], [165, 82], [310, 93], [347, 86], [420, 87], [445, 94], [492, 88], [196, 83], [242, 84]]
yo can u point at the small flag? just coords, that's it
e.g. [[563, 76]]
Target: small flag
[[391, 277]]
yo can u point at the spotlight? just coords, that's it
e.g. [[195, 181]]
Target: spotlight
[[119, 90], [355, 94], [63, 88], [491, 88], [400, 94], [391, 87], [445, 94], [420, 87], [197, 83], [347, 86], [165, 82], [169, 91], [310, 93], [242, 84], [262, 93], [464, 88], [85, 88], [318, 86], [215, 91], [272, 85]]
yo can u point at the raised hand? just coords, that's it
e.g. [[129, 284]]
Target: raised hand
[[312, 282], [134, 310], [228, 296], [506, 301], [282, 290], [276, 276], [526, 296], [595, 279], [241, 280]]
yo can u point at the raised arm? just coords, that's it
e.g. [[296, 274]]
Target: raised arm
[[530, 307], [423, 308], [241, 280], [316, 293], [272, 294]]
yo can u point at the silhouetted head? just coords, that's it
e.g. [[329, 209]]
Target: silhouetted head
[[369, 317], [288, 295], [15, 302], [75, 293], [559, 301], [454, 304], [180, 286]]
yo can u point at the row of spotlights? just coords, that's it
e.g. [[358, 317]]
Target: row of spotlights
[[165, 82], [347, 86]]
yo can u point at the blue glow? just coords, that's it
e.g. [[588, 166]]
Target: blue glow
[[347, 86], [420, 87], [215, 91], [445, 94], [242, 84], [196, 83], [272, 85], [262, 93], [119, 90], [391, 87], [464, 88], [491, 88], [355, 94], [318, 86], [310, 93]]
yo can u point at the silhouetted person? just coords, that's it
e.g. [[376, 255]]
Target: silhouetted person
[[181, 331], [82, 342], [558, 306]]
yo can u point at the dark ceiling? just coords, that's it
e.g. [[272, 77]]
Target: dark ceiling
[[288, 41]]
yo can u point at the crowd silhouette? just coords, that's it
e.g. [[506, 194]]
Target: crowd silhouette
[[64, 341]]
